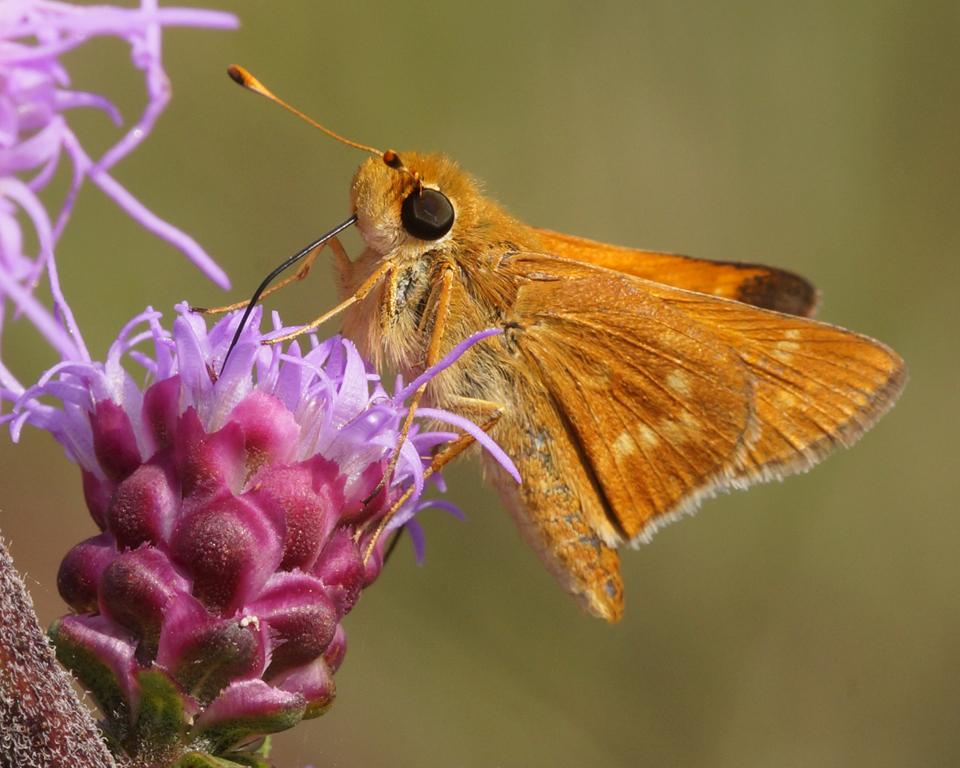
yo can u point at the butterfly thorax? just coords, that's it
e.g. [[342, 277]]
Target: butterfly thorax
[[393, 324]]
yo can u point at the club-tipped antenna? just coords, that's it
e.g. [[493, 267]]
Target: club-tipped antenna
[[273, 276], [243, 77]]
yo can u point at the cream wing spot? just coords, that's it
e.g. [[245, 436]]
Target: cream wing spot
[[648, 438], [784, 350], [679, 383], [785, 398], [624, 445]]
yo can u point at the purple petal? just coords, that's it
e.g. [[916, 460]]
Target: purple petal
[[153, 223], [418, 540], [113, 440], [135, 590], [208, 464], [449, 359], [447, 506], [97, 492], [340, 568], [308, 498], [81, 99], [205, 654], [161, 410], [301, 617], [54, 333], [145, 506], [270, 431], [481, 437], [93, 643], [314, 682], [337, 650]]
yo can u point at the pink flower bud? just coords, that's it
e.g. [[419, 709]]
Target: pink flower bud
[[234, 548]]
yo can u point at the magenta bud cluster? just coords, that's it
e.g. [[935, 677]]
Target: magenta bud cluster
[[235, 523], [222, 560]]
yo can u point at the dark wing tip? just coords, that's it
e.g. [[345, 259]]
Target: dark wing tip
[[781, 291]]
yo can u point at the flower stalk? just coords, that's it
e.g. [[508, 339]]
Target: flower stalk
[[42, 719]]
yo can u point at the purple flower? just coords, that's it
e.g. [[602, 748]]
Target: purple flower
[[234, 533], [35, 135], [239, 505]]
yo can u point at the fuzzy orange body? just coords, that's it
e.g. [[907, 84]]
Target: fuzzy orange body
[[630, 384]]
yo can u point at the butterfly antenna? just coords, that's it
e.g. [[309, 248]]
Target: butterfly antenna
[[243, 77]]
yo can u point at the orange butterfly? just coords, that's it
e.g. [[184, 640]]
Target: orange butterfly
[[627, 385]]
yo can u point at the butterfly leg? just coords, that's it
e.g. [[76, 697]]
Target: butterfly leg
[[382, 270], [433, 355], [339, 253], [447, 454], [479, 412]]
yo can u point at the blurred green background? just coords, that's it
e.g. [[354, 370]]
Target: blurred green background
[[810, 623]]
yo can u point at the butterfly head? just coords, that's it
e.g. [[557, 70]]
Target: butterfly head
[[411, 201]]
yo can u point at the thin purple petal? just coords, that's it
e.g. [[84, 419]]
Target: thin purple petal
[[449, 359], [481, 437]]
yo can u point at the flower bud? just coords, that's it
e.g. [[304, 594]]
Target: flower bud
[[145, 505], [134, 592], [80, 571], [211, 603]]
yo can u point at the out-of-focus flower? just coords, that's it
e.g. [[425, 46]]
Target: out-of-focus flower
[[234, 530], [35, 135]]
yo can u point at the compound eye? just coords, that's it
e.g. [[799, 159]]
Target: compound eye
[[427, 214]]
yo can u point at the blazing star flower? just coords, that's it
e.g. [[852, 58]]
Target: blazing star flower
[[241, 507], [35, 98], [235, 534]]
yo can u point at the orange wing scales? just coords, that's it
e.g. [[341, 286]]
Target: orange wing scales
[[658, 416], [816, 385], [662, 397], [558, 510], [760, 286]]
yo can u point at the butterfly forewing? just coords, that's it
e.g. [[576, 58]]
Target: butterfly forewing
[[815, 385], [755, 284], [657, 407], [669, 394]]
